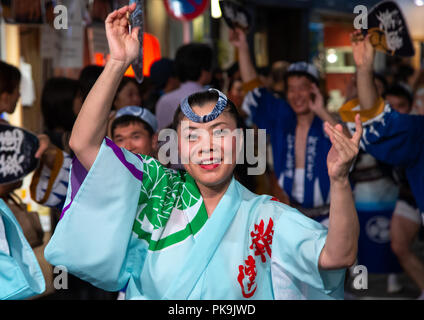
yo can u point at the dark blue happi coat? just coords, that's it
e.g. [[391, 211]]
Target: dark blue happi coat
[[276, 116]]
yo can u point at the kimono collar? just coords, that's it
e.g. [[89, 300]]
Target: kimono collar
[[206, 243]]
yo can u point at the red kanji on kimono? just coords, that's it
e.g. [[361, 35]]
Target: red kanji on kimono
[[262, 239], [247, 271]]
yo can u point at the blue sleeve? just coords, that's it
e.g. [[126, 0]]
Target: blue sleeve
[[263, 109], [297, 245], [94, 238], [392, 137]]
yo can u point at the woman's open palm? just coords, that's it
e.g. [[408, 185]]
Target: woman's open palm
[[343, 151], [123, 45]]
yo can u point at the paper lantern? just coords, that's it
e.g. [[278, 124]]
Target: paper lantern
[[151, 53]]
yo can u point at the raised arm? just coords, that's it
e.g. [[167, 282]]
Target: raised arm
[[91, 124], [341, 245], [363, 54], [316, 104], [247, 69]]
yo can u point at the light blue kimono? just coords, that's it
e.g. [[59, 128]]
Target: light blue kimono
[[131, 222], [20, 273]]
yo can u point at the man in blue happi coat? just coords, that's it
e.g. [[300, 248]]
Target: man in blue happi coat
[[390, 136], [295, 128]]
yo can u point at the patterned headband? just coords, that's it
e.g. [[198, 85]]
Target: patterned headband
[[217, 110]]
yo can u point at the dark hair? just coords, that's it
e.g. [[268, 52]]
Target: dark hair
[[379, 76], [160, 72], [202, 98], [399, 90], [124, 82], [88, 76], [278, 71], [191, 59], [264, 71], [404, 72], [231, 83], [128, 119], [57, 101], [233, 69], [10, 77], [216, 81]]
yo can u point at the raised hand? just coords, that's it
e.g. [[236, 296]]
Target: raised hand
[[123, 45], [46, 151], [317, 106], [44, 144], [343, 151], [316, 103], [363, 54], [363, 51], [237, 37]]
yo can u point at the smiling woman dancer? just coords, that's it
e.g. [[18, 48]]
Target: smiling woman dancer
[[130, 222]]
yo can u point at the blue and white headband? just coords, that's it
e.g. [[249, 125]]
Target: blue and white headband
[[304, 67], [139, 112], [217, 110]]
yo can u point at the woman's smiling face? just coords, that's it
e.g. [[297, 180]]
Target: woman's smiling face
[[208, 150]]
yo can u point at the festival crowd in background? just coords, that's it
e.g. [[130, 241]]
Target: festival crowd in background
[[287, 100]]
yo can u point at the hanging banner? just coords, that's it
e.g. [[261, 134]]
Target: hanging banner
[[70, 48], [389, 31], [48, 42], [71, 38], [17, 150], [185, 10], [235, 15], [98, 47]]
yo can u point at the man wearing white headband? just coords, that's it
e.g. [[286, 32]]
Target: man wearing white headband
[[134, 128], [295, 127]]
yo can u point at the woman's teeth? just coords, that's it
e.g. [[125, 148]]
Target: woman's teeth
[[207, 162]]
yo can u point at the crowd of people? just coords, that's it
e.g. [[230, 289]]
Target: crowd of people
[[124, 222]]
